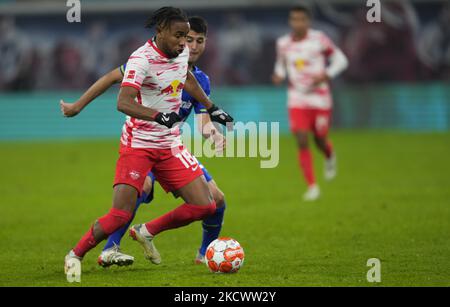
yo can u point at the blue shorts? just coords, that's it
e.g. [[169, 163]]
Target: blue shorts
[[149, 198]]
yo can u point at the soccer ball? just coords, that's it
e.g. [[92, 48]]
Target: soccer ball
[[224, 255]]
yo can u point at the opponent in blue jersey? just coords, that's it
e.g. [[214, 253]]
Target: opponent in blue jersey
[[196, 41]]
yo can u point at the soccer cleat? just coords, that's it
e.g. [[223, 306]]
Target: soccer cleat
[[150, 251], [113, 256], [200, 259], [70, 260], [312, 193], [330, 168]]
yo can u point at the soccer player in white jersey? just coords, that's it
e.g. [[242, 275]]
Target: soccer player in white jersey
[[309, 59], [150, 96], [211, 227]]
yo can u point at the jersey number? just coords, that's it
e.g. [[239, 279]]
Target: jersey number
[[187, 159]]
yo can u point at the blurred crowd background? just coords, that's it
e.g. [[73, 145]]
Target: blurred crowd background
[[45, 52], [398, 76]]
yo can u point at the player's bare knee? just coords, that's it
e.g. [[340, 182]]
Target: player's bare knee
[[302, 141], [99, 234], [320, 141], [219, 198], [127, 205], [209, 199], [125, 197], [203, 199], [206, 199], [217, 194]]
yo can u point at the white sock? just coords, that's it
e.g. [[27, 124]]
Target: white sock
[[144, 231]]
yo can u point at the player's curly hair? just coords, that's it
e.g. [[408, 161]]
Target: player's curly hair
[[164, 16], [302, 8], [198, 24]]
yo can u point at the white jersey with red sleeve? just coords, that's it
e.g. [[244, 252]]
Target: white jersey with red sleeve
[[301, 60], [160, 81]]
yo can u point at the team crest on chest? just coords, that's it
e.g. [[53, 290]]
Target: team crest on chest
[[173, 89]]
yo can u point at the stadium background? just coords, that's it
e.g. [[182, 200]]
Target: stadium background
[[392, 106]]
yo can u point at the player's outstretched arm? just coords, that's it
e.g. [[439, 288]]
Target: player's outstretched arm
[[279, 72], [126, 104], [195, 90], [96, 89]]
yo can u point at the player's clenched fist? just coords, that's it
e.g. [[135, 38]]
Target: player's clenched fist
[[219, 115], [167, 119], [69, 109]]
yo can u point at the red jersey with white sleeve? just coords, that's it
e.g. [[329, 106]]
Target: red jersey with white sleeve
[[301, 60], [160, 81]]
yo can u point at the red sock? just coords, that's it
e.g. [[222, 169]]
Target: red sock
[[306, 164], [328, 150], [181, 216], [109, 223], [114, 220], [86, 243]]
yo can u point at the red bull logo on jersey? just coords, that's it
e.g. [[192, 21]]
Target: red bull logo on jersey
[[173, 89], [300, 64]]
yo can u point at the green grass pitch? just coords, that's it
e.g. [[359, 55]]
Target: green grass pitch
[[391, 200]]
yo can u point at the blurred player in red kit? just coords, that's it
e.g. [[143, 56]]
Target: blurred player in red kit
[[309, 59], [150, 96]]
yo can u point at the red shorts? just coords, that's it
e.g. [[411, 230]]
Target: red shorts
[[314, 120], [173, 168]]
